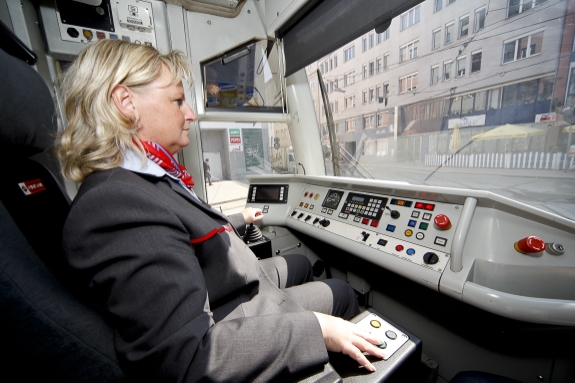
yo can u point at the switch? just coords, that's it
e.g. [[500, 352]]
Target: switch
[[430, 258], [316, 220], [324, 222], [307, 218], [300, 215], [365, 236]]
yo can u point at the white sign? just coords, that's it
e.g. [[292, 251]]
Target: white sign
[[467, 121], [544, 117]]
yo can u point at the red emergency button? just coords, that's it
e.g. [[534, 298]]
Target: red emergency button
[[531, 244], [374, 223], [399, 247], [365, 221], [442, 222]]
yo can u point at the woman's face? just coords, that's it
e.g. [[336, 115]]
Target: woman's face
[[163, 115]]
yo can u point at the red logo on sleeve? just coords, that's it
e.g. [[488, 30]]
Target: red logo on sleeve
[[31, 187]]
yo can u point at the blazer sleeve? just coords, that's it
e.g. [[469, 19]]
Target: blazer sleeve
[[238, 222], [134, 256]]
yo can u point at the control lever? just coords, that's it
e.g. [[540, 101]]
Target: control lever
[[307, 218], [300, 215], [293, 213], [316, 220], [394, 213], [365, 236], [324, 222]]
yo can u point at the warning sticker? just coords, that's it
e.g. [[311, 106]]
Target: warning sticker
[[31, 187]]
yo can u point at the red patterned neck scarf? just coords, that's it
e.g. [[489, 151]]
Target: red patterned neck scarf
[[162, 157]]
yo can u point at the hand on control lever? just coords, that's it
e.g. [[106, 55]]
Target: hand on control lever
[[252, 214], [348, 338]]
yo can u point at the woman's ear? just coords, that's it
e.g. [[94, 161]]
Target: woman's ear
[[123, 97]]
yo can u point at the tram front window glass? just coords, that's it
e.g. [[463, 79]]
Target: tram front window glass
[[497, 126], [234, 151]]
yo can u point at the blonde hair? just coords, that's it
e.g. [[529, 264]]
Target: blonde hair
[[97, 133]]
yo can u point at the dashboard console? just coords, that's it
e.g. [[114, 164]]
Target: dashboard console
[[474, 246]]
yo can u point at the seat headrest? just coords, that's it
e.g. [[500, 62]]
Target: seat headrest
[[28, 123]]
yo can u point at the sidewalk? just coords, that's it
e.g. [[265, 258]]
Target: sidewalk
[[229, 195]]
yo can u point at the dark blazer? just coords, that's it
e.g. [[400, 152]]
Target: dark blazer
[[182, 312]]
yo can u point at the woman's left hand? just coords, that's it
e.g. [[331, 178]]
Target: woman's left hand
[[252, 214]]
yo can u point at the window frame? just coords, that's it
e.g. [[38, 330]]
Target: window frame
[[529, 45], [460, 29], [480, 52], [409, 78], [435, 32], [475, 18], [451, 24], [445, 63], [460, 72], [414, 50], [431, 82]]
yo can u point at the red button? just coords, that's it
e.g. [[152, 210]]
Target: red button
[[429, 206], [419, 205], [365, 221], [399, 247], [305, 194], [310, 195], [531, 244], [442, 222], [374, 223]]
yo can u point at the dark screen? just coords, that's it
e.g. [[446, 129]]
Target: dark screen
[[268, 193]]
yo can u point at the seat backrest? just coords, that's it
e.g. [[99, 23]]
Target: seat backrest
[[47, 333]]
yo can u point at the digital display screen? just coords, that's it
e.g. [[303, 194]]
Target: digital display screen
[[358, 199], [268, 193], [363, 205]]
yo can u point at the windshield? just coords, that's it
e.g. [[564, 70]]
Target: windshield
[[459, 94]]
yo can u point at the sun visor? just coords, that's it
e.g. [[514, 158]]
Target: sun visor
[[330, 24]]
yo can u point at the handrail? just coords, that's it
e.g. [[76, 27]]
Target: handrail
[[461, 234]]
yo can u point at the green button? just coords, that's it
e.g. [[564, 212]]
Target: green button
[[423, 225], [383, 345]]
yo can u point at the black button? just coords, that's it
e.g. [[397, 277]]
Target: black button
[[391, 335], [73, 32]]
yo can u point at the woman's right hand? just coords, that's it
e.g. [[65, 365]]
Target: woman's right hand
[[348, 338]]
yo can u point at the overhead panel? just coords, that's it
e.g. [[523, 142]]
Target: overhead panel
[[330, 24]]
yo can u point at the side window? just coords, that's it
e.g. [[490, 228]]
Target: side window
[[232, 151]]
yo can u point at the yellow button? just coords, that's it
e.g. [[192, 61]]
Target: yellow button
[[408, 233], [401, 202], [306, 205], [375, 323], [87, 34], [316, 196], [301, 203]]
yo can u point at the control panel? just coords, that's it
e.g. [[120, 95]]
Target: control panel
[[84, 22], [414, 230]]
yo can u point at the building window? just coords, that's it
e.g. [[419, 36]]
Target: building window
[[463, 26], [461, 66], [350, 125], [348, 53], [335, 61], [364, 44], [408, 83], [386, 34], [378, 38], [312, 84], [364, 97], [435, 37], [371, 95], [371, 68], [408, 51], [409, 18], [437, 5], [378, 92], [447, 70], [434, 74], [523, 47], [449, 32], [349, 78], [349, 102], [371, 40], [385, 60], [364, 71], [518, 6], [368, 122], [449, 2], [331, 64], [479, 22], [385, 93], [475, 62], [378, 65]]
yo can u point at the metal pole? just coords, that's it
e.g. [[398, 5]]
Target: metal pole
[[330, 126], [566, 162]]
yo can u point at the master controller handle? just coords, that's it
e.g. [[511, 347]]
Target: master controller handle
[[324, 222], [394, 213]]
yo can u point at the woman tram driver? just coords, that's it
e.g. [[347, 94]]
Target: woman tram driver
[[186, 297]]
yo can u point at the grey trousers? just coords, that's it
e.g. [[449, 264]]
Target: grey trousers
[[293, 274]]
